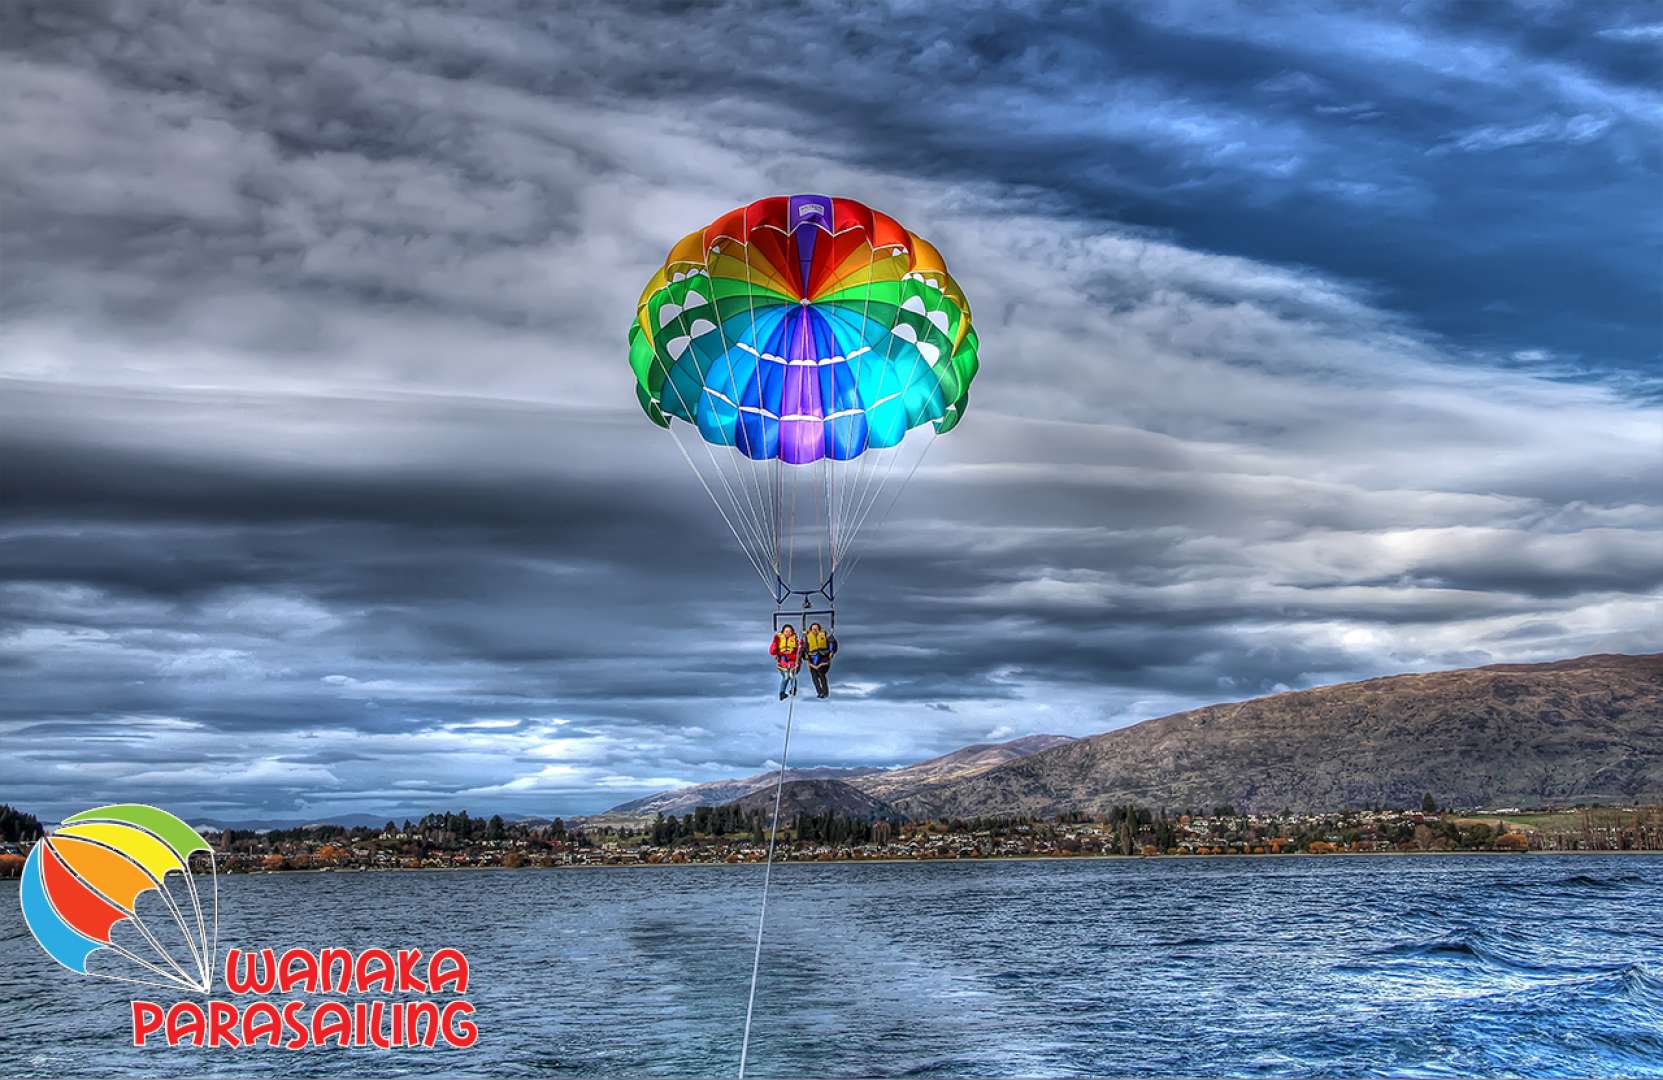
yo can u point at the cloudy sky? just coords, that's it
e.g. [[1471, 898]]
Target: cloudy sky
[[1318, 343]]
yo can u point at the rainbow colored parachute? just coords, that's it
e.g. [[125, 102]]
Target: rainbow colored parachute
[[85, 879], [797, 330]]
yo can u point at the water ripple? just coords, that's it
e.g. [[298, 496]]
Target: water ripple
[[1413, 966]]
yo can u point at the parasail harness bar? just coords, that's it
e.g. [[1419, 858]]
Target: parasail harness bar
[[827, 588]]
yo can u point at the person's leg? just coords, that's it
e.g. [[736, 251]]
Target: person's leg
[[819, 675], [785, 682]]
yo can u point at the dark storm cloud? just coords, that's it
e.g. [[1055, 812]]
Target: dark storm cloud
[[1507, 152], [1310, 347]]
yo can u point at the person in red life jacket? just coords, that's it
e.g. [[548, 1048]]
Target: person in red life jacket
[[787, 651], [819, 646]]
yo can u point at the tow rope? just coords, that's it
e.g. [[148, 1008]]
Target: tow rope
[[767, 872]]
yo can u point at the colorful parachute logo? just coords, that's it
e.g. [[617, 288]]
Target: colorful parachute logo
[[83, 881]]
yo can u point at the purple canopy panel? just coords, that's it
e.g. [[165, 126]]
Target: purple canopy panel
[[803, 440], [809, 211]]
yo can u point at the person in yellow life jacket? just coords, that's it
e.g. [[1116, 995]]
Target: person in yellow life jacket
[[787, 651], [819, 646]]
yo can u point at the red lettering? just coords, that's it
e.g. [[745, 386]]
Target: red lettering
[[299, 1036], [250, 973], [304, 974], [415, 1011], [147, 1020], [459, 1030], [297, 1024], [269, 1026], [455, 975], [328, 960], [379, 977], [368, 1015], [408, 981], [222, 1024], [331, 1020], [185, 1023]]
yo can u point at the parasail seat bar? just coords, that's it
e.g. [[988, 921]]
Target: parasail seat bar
[[804, 616]]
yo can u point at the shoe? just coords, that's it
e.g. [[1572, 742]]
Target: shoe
[[782, 695]]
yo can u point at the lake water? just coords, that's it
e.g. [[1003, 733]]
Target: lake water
[[1460, 965]]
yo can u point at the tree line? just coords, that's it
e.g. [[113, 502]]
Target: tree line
[[17, 827]]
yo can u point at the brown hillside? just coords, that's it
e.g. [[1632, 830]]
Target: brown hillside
[[1586, 729]]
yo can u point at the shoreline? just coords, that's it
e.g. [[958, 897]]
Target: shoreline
[[907, 861]]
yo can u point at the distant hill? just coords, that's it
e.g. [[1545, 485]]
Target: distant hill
[[882, 784], [347, 821], [350, 821], [720, 792], [806, 797], [966, 761], [1589, 729]]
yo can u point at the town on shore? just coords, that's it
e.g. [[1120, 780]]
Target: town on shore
[[727, 834]]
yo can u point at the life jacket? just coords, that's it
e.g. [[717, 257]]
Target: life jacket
[[816, 641], [785, 647]]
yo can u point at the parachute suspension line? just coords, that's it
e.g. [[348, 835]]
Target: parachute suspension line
[[767, 873], [819, 505], [727, 355], [863, 476], [178, 916], [178, 978], [880, 473], [770, 502], [873, 492], [722, 477], [196, 908], [752, 529], [776, 493], [171, 984], [201, 962], [851, 488], [824, 529], [839, 486], [826, 476], [750, 558], [791, 534], [894, 493], [831, 522], [753, 525], [912, 370], [893, 499]]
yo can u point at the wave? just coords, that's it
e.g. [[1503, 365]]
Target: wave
[[1577, 881], [1632, 981], [1458, 945], [1640, 983]]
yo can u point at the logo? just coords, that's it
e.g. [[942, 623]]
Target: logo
[[84, 882], [81, 894]]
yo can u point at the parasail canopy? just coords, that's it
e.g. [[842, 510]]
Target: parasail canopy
[[808, 331]]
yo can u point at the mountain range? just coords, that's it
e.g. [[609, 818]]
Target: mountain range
[[348, 821], [1582, 730], [815, 797], [881, 785]]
